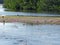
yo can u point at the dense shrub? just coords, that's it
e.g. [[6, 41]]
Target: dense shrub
[[36, 5]]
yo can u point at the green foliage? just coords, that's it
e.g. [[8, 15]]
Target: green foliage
[[35, 5]]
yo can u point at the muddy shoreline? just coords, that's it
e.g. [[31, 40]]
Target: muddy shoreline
[[31, 20]]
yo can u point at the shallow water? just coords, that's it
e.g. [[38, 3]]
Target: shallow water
[[2, 12], [25, 34]]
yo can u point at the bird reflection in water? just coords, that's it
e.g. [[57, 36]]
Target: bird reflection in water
[[3, 20]]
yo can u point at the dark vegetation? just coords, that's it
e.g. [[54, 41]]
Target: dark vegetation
[[33, 5]]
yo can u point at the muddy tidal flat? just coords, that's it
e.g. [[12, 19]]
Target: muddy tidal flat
[[31, 19]]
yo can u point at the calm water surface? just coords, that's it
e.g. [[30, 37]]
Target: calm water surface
[[25, 34]]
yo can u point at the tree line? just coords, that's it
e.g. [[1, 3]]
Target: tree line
[[33, 5]]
